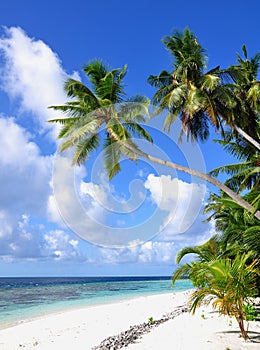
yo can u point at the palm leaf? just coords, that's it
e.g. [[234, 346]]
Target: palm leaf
[[138, 130], [209, 81], [95, 70], [181, 272], [112, 157], [75, 88], [84, 147]]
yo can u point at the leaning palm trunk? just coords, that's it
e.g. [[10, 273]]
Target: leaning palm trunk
[[247, 137], [189, 171], [205, 177], [86, 118], [243, 331], [239, 315]]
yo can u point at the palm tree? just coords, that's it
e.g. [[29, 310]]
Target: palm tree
[[245, 174], [203, 254], [201, 98], [104, 106], [225, 269], [246, 92], [227, 284], [239, 230], [90, 110]]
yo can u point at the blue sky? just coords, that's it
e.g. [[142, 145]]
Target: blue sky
[[57, 220]]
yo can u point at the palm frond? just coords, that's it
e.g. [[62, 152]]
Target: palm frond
[[112, 157], [84, 147], [209, 81], [170, 119], [138, 131], [161, 80], [63, 121], [230, 169], [95, 70], [181, 272], [75, 88], [185, 251]]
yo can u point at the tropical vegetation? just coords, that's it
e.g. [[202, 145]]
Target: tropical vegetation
[[103, 107], [225, 270], [102, 113]]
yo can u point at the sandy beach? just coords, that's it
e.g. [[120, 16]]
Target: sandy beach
[[87, 327]]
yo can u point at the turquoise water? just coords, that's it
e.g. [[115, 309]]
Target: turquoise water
[[23, 298]]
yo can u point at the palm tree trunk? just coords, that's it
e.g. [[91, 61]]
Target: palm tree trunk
[[193, 172], [247, 137], [205, 177], [240, 321]]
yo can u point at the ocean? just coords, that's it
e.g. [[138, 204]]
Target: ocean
[[29, 297]]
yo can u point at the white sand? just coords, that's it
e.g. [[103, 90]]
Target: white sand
[[84, 328], [210, 332]]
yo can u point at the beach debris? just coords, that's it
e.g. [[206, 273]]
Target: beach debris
[[136, 332]]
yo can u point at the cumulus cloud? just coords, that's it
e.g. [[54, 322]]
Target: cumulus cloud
[[156, 251], [151, 252], [19, 242], [32, 73], [20, 239], [25, 173], [181, 200], [61, 246]]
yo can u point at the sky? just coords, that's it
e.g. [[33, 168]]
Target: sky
[[59, 220]]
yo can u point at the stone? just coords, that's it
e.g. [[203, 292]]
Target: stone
[[135, 332]]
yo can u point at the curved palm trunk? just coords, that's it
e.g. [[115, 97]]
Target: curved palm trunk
[[240, 320], [193, 172], [247, 137], [205, 177], [244, 333]]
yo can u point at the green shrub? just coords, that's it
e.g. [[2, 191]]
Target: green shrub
[[250, 312], [150, 320]]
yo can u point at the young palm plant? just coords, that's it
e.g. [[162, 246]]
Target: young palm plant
[[228, 285], [226, 268], [204, 253]]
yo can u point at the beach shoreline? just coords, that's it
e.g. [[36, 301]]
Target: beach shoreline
[[64, 310], [23, 299], [87, 327]]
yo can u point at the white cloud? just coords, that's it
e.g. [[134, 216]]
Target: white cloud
[[25, 174], [5, 226], [60, 245], [181, 200], [32, 75], [151, 252], [20, 239], [157, 251], [19, 242], [53, 213], [32, 72]]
